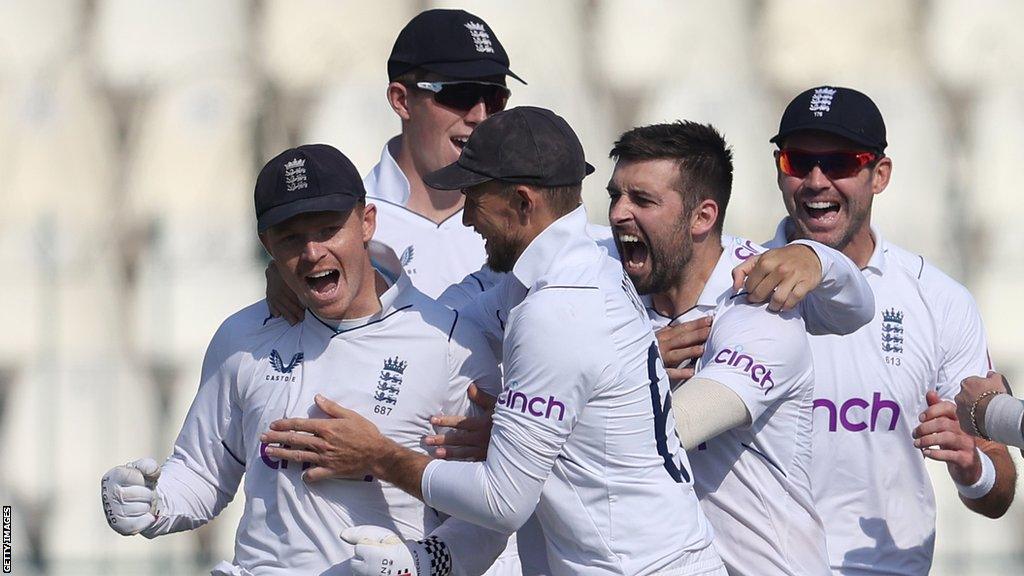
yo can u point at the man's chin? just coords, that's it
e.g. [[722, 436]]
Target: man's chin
[[833, 237], [500, 264], [327, 310]]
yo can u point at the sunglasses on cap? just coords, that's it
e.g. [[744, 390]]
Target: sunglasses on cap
[[463, 96], [835, 165]]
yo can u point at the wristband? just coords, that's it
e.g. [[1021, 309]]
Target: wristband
[[1002, 420], [985, 482], [438, 560]]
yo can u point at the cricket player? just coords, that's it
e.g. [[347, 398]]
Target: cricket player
[[372, 341], [584, 435], [883, 395], [744, 412], [447, 73]]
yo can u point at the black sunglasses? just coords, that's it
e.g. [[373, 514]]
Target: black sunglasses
[[463, 96]]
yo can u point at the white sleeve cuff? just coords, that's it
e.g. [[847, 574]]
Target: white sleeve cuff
[[1003, 420], [985, 482], [824, 257]]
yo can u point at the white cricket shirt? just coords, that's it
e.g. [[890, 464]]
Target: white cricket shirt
[[870, 484], [753, 482], [583, 433], [434, 256], [411, 360]]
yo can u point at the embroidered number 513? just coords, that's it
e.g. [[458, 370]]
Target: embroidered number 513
[[661, 403]]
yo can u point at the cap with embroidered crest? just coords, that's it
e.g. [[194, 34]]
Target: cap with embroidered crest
[[453, 43], [841, 111], [523, 145], [309, 178]]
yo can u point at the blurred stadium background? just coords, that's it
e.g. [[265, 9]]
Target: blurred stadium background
[[131, 132]]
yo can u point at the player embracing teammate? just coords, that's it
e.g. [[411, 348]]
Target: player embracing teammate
[[588, 443]]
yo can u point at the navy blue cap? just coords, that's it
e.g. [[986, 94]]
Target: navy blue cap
[[522, 145], [310, 178], [841, 111], [453, 43]]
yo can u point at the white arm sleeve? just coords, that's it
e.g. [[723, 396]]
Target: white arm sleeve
[[547, 384], [704, 409], [843, 302], [201, 476], [1004, 420]]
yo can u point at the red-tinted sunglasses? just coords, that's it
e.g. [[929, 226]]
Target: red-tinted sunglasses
[[835, 165], [462, 96]]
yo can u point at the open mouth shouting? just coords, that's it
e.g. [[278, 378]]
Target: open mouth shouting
[[820, 215], [323, 284], [634, 253]]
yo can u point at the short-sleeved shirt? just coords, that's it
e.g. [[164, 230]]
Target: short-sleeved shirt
[[871, 487], [753, 482], [583, 432]]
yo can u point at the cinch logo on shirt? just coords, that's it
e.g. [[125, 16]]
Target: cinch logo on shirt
[[536, 405], [852, 414], [758, 372], [277, 464]]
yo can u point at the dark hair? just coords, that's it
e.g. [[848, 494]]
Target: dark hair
[[705, 160]]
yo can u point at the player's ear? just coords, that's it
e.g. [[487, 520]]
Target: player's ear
[[524, 202], [880, 175], [398, 97], [703, 217], [369, 220]]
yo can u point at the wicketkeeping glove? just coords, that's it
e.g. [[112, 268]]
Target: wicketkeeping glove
[[129, 496], [381, 552]]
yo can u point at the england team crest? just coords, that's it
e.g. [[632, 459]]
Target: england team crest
[[389, 385], [892, 331]]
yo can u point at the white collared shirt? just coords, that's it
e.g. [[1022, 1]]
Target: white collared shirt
[[434, 256], [398, 367], [870, 484], [753, 482], [584, 434]]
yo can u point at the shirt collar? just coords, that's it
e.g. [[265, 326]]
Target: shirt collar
[[563, 240], [876, 264], [719, 284], [398, 283], [387, 181]]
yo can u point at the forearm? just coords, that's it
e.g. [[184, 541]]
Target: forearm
[[998, 500], [402, 467], [499, 493], [1003, 419], [704, 409], [188, 499]]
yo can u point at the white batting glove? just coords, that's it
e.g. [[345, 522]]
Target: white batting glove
[[129, 496], [381, 552]]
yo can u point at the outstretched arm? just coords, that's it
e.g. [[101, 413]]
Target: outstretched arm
[[835, 297]]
